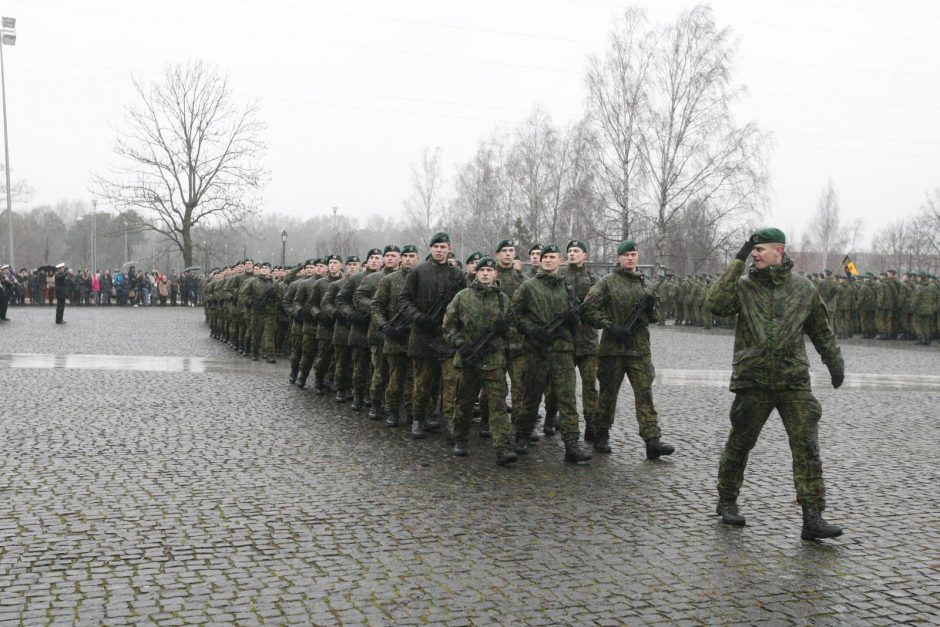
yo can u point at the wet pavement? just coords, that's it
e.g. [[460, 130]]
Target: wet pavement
[[151, 475]]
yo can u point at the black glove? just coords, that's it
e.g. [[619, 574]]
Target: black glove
[[570, 318], [500, 327], [358, 317], [426, 322], [394, 332], [325, 318], [298, 316], [837, 378], [620, 332], [745, 250], [542, 336], [339, 316], [649, 303], [465, 350]]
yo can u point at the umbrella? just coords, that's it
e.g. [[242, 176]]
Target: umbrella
[[130, 263], [45, 268], [192, 269]]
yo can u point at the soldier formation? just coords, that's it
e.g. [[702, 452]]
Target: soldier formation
[[430, 344]]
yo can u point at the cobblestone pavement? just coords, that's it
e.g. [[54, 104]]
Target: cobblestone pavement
[[222, 494]]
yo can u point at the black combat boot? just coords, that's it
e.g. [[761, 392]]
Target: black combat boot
[[602, 441], [255, 356], [522, 444], [356, 404], [417, 429], [485, 429], [460, 449], [589, 433], [392, 420], [374, 413], [655, 449], [574, 454], [815, 526], [550, 425], [505, 457], [271, 359], [319, 387], [728, 510], [293, 374], [432, 424], [340, 396]]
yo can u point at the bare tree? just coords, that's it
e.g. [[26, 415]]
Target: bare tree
[[188, 158], [425, 206], [690, 146], [616, 98], [827, 233], [894, 242]]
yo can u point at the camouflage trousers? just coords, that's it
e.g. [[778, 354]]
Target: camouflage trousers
[[640, 373], [342, 367], [471, 383], [515, 368], [587, 367], [843, 323], [924, 327], [263, 329], [431, 375], [866, 323], [398, 389], [800, 412], [553, 370], [324, 359], [295, 343], [361, 358], [885, 322], [306, 352], [379, 375]]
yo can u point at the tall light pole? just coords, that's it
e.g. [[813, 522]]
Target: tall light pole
[[7, 38], [283, 246], [125, 242]]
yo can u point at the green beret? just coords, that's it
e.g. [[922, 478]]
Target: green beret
[[321, 262], [890, 271], [312, 262], [626, 246], [535, 247], [506, 243], [576, 243], [768, 235], [486, 262], [264, 265], [334, 257], [353, 259], [409, 248], [828, 272], [474, 257], [391, 248], [550, 248], [374, 251], [440, 237], [451, 255]]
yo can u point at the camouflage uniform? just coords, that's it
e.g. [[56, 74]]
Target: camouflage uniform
[[771, 370], [509, 279], [357, 339], [925, 303], [362, 301], [611, 302], [470, 314], [537, 301], [431, 355], [342, 353], [260, 296], [384, 306], [323, 319]]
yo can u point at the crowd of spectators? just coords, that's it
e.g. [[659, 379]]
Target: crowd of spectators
[[109, 287]]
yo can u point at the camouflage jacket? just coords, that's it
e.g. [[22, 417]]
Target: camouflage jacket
[[300, 300], [472, 312], [775, 307], [330, 306], [324, 315], [536, 302], [866, 297], [362, 301], [259, 296], [350, 313], [926, 300], [509, 280], [611, 301], [846, 299], [424, 285], [385, 305], [580, 281]]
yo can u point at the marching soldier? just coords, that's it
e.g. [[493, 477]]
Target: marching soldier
[[299, 280], [324, 320], [624, 350], [362, 300], [509, 278], [358, 339]]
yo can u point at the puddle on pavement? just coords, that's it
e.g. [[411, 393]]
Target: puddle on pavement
[[665, 377]]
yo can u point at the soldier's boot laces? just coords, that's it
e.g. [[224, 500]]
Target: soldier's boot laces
[[602, 441], [728, 510], [506, 457], [392, 420], [655, 449], [417, 429], [815, 526], [460, 449], [550, 425], [574, 454]]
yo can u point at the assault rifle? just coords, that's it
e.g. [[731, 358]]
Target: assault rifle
[[399, 323], [554, 326], [476, 346], [640, 306], [261, 302]]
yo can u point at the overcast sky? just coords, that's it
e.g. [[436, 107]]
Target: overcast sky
[[352, 91]]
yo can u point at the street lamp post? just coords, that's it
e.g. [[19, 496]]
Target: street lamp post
[[125, 242], [94, 237], [7, 38], [283, 246]]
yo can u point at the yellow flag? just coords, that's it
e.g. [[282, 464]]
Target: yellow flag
[[849, 266]]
